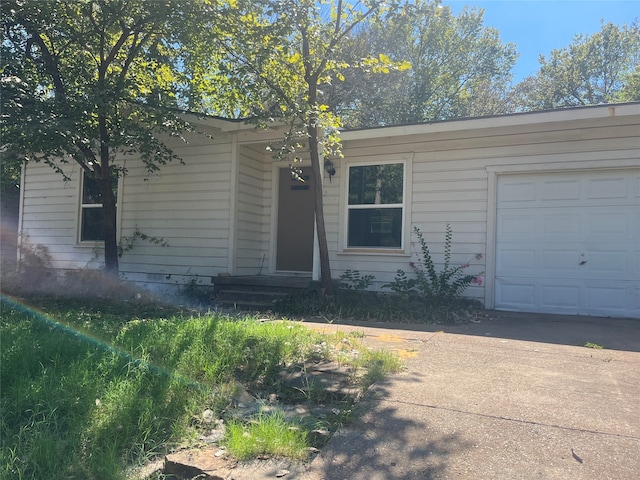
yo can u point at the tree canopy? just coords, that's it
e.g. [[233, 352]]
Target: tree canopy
[[88, 80], [460, 68], [285, 76], [593, 69]]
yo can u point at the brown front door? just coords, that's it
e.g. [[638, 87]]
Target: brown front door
[[294, 248]]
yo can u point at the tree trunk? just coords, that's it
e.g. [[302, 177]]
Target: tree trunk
[[318, 208], [311, 79], [325, 268], [111, 266]]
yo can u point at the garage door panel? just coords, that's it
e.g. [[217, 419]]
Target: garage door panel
[[556, 297], [517, 191], [561, 224], [610, 223], [574, 223], [608, 298], [537, 259], [515, 260], [541, 261], [607, 187], [570, 244], [517, 224], [561, 260], [608, 263], [552, 296], [553, 190], [515, 294]]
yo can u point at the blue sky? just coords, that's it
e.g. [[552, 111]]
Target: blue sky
[[539, 26]]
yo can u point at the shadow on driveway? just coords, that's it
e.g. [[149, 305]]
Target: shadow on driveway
[[610, 333], [515, 396], [388, 442]]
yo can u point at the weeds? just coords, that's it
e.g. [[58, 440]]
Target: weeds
[[429, 284], [377, 306], [354, 280], [268, 434], [379, 364], [90, 390], [194, 292], [429, 295]]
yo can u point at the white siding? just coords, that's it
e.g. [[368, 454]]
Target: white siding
[[49, 216], [253, 213], [450, 181], [187, 206]]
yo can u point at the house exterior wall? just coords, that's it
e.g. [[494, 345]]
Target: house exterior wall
[[49, 217], [453, 175], [186, 207], [253, 212], [217, 213]]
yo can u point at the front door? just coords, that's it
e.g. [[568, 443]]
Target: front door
[[294, 247]]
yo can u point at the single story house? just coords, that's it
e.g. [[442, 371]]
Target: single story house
[[544, 207]]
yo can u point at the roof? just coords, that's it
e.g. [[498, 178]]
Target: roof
[[469, 123], [513, 119]]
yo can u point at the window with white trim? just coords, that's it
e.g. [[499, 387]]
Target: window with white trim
[[91, 211], [375, 207]]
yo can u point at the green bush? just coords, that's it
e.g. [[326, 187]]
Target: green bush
[[430, 285]]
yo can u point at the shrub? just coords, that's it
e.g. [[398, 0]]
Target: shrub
[[353, 280], [33, 271], [429, 284]]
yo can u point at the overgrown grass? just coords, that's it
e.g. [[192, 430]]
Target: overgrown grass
[[87, 391], [91, 389], [270, 434], [376, 306], [379, 364]]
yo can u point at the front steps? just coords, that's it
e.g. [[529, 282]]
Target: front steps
[[257, 292]]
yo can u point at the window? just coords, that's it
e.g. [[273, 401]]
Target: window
[[92, 213], [375, 206]]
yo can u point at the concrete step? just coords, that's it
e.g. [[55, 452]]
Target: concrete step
[[270, 282], [248, 305], [257, 293], [237, 294]]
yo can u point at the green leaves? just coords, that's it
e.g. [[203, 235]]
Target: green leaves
[[96, 79], [593, 69], [437, 66], [429, 284]]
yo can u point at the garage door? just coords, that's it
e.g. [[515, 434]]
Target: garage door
[[569, 243]]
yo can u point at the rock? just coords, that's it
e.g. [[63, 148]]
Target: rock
[[207, 416], [214, 436], [282, 473], [242, 396], [187, 464], [319, 436]]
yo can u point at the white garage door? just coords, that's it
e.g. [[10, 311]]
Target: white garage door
[[569, 243]]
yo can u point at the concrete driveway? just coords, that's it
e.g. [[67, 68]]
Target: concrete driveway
[[515, 396]]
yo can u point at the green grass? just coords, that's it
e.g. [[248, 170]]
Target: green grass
[[269, 434], [91, 389], [593, 345], [379, 364], [88, 391]]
